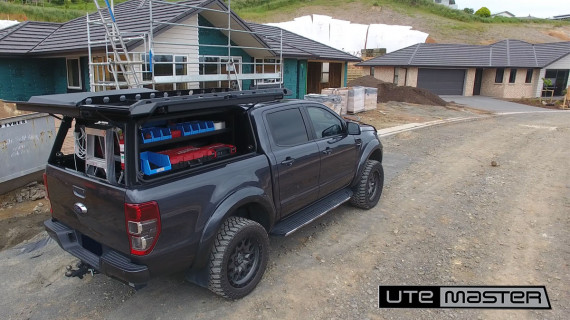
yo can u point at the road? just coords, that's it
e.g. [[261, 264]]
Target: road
[[447, 217]]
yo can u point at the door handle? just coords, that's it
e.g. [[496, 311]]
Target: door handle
[[358, 142], [288, 161], [327, 151]]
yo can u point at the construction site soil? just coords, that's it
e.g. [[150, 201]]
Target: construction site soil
[[391, 92]]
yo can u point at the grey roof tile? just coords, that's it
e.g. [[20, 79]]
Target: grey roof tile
[[547, 53], [23, 37], [130, 18], [459, 55], [506, 53]]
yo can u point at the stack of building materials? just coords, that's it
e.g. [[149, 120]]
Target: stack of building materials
[[355, 100], [332, 101], [342, 93], [370, 98]]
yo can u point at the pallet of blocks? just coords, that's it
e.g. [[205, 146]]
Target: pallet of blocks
[[355, 100], [342, 93], [370, 98], [333, 101]]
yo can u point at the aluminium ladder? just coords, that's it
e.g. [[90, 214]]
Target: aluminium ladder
[[121, 57]]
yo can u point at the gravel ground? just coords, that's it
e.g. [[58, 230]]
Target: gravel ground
[[447, 217]]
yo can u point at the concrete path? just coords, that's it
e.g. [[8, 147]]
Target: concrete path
[[492, 105]]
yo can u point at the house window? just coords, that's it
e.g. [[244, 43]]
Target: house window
[[325, 72], [181, 67], [166, 65], [437, 1], [396, 75], [499, 75], [528, 78], [513, 76], [268, 66], [73, 74], [372, 71], [216, 65]]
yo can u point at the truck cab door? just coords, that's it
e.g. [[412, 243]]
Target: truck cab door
[[338, 150], [296, 159]]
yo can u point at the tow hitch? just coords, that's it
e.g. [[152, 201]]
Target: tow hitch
[[82, 269]]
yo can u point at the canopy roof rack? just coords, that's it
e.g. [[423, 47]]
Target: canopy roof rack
[[133, 103]]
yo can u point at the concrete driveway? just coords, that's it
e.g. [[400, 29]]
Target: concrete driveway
[[492, 104]]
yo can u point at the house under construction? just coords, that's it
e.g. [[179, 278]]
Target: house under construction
[[192, 44]]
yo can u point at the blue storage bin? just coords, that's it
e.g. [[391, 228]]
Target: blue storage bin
[[159, 162], [145, 132], [196, 127], [209, 126], [164, 133], [185, 127]]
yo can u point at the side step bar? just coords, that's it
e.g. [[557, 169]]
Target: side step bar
[[311, 213]]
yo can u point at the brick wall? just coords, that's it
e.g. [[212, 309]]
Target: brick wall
[[385, 74], [469, 82], [489, 87], [355, 72], [518, 89], [412, 77]]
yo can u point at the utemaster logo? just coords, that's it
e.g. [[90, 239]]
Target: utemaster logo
[[485, 297]]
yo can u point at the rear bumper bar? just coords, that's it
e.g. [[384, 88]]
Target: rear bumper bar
[[110, 262]]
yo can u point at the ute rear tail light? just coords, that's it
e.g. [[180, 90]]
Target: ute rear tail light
[[143, 226]]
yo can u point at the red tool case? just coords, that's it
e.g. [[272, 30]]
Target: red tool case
[[187, 156], [222, 150]]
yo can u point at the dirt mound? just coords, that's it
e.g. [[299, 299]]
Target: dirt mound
[[8, 110], [391, 92], [560, 34]]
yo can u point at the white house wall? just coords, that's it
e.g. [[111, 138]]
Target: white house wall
[[563, 63], [184, 42]]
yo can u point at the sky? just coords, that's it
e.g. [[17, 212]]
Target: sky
[[520, 8]]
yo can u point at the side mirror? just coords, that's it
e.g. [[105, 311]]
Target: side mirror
[[353, 128]]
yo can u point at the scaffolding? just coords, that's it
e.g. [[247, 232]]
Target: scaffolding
[[113, 64]]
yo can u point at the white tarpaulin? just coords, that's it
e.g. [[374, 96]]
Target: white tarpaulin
[[353, 37], [7, 23]]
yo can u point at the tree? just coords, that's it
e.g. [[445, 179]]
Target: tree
[[483, 12], [468, 10]]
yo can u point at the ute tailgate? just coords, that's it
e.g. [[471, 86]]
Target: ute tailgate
[[104, 219]]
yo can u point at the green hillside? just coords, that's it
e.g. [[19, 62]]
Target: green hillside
[[42, 10], [442, 23], [63, 10], [255, 9]]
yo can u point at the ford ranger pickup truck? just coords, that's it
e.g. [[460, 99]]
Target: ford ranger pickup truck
[[143, 183]]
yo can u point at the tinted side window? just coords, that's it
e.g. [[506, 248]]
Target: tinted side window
[[287, 127], [324, 122]]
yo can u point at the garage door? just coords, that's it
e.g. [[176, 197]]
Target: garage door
[[442, 81]]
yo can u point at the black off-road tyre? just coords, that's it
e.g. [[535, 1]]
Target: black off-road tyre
[[369, 188], [238, 258]]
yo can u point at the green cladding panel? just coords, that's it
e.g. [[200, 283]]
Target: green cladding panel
[[302, 76], [22, 78], [345, 80], [216, 37], [295, 77], [84, 62]]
